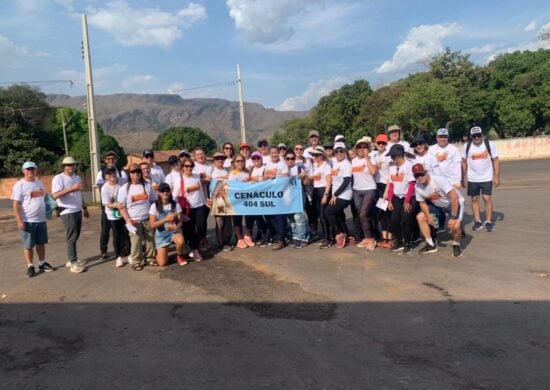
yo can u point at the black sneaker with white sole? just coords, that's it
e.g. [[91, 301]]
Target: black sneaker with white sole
[[31, 271], [46, 267], [407, 249], [457, 252], [397, 247], [428, 249]]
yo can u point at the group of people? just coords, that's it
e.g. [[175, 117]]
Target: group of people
[[398, 194]]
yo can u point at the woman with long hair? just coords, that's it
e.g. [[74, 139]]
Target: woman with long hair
[[165, 217], [239, 173], [381, 177], [229, 152], [220, 203], [322, 182], [256, 175]]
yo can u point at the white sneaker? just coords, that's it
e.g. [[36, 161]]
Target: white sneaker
[[68, 264], [77, 268], [119, 262], [129, 259]]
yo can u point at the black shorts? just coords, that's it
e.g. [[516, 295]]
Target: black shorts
[[486, 188]]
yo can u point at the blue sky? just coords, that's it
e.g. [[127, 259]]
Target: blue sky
[[291, 52]]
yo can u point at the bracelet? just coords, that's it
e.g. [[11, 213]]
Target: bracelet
[[85, 208], [453, 217]]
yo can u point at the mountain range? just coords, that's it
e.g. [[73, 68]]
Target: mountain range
[[135, 120]]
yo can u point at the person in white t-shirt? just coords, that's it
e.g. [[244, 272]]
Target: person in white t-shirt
[[273, 169], [66, 190], [109, 199], [314, 142], [136, 197], [257, 175], [402, 204], [224, 228], [165, 216], [394, 135], [173, 179], [245, 150], [363, 169], [447, 157], [263, 148], [383, 161], [29, 208], [480, 169], [240, 173], [341, 196], [298, 221], [203, 169], [435, 195], [229, 153], [420, 149], [321, 175], [157, 174]]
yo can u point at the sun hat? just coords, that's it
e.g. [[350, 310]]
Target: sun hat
[[340, 145], [111, 153], [394, 128], [219, 154], [68, 161], [281, 146], [363, 140], [313, 133], [339, 137], [244, 145]]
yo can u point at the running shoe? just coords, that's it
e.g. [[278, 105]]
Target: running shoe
[[197, 255], [68, 264], [77, 268], [277, 245], [262, 243], [227, 248], [488, 226], [407, 249], [457, 252], [30, 271], [299, 244], [371, 245], [428, 249], [248, 240], [397, 247], [477, 225], [119, 262], [181, 260], [326, 244], [241, 244], [340, 241], [46, 267]]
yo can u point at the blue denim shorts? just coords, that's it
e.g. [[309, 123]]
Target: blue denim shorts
[[35, 233]]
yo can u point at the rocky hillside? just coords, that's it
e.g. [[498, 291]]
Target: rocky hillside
[[136, 119]]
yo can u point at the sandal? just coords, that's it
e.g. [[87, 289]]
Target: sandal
[[152, 263], [137, 267]]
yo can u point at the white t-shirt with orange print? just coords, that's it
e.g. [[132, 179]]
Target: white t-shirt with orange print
[[480, 165], [320, 173], [400, 177], [341, 169], [448, 162]]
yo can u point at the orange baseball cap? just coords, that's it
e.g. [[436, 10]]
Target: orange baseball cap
[[382, 138]]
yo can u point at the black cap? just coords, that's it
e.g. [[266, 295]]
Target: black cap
[[110, 170], [148, 153], [396, 150], [418, 140], [173, 160], [328, 145], [262, 141], [163, 187]]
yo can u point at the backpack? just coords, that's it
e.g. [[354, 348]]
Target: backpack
[[487, 146]]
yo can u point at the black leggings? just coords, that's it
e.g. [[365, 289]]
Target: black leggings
[[383, 215], [319, 208], [402, 222], [117, 226], [195, 229], [336, 217]]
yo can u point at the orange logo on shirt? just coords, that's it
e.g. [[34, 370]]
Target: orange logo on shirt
[[441, 156], [398, 178], [358, 168], [480, 155], [37, 193], [335, 172], [271, 172], [137, 198], [317, 177], [435, 196]]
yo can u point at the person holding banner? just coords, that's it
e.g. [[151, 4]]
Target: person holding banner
[[273, 169], [322, 182], [341, 195], [191, 187], [239, 173], [256, 175], [299, 222], [223, 223], [245, 150]]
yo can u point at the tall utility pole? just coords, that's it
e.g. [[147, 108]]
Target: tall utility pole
[[92, 129], [241, 103], [64, 133]]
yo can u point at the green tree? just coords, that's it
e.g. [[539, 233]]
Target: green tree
[[185, 138], [294, 131]]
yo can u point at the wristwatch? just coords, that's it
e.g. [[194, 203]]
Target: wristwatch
[[453, 217]]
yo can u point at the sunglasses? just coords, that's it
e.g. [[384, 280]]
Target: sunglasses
[[136, 171], [239, 161], [262, 145], [110, 158], [149, 156], [228, 148], [362, 147], [337, 151], [290, 158], [476, 136], [381, 143], [298, 148], [188, 166], [219, 158], [419, 175], [30, 169]]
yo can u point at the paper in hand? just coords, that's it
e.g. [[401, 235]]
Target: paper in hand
[[131, 228], [382, 204]]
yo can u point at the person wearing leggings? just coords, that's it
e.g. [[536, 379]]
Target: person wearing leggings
[[364, 193], [402, 204], [322, 182], [381, 177], [341, 195]]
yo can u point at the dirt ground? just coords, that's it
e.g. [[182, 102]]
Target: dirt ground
[[300, 319]]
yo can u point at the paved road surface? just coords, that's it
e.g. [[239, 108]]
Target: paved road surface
[[300, 319]]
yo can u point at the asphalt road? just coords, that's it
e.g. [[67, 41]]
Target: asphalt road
[[300, 319]]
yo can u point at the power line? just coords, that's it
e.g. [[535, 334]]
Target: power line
[[38, 82], [226, 84]]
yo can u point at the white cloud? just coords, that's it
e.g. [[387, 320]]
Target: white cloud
[[531, 26], [311, 96], [139, 80], [10, 52], [422, 42], [145, 26], [481, 49], [267, 21], [102, 76], [542, 42]]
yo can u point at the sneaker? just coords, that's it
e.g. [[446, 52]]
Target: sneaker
[[30, 271], [477, 225], [103, 256], [363, 243], [262, 243], [299, 244], [119, 262], [277, 245], [77, 268], [326, 244], [488, 226], [340, 241], [371, 244], [197, 255], [227, 248], [407, 249], [241, 244], [397, 246], [457, 252], [248, 240], [428, 249], [46, 267], [181, 261], [68, 264]]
